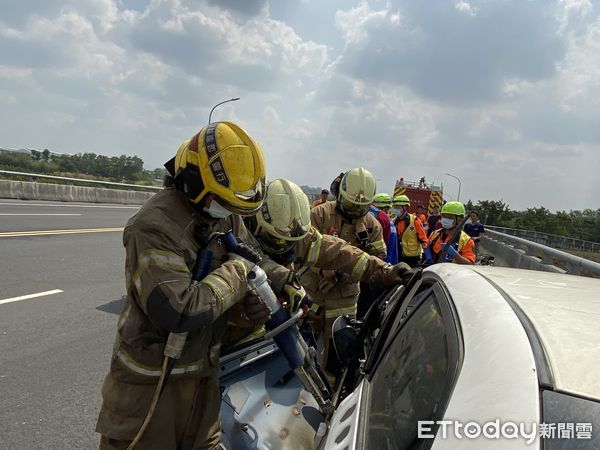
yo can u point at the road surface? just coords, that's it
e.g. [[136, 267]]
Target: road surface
[[55, 348]]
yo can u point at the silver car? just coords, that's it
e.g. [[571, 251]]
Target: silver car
[[477, 357]]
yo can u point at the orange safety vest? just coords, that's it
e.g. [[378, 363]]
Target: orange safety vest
[[435, 242]]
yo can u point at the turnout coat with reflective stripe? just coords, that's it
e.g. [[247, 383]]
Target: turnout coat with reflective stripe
[[329, 252], [321, 251], [328, 221], [161, 243]]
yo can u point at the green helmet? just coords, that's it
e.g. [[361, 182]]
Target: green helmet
[[382, 200], [453, 208], [401, 200]]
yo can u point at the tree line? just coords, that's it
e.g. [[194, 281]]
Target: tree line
[[583, 225], [130, 169], [123, 168]]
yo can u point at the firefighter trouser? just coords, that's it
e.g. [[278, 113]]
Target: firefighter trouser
[[187, 415], [323, 321]]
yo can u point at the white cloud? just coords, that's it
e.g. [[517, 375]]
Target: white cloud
[[465, 7], [504, 94]]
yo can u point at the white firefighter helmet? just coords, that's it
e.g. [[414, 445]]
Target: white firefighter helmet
[[284, 216], [356, 193]]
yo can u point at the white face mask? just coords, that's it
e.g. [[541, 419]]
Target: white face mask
[[216, 211], [397, 212], [447, 223]]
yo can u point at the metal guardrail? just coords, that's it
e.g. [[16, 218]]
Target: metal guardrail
[[34, 176], [551, 240], [549, 256]]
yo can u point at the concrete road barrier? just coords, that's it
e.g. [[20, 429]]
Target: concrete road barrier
[[509, 256], [25, 190]]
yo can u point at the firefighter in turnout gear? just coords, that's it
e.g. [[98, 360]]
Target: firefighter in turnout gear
[[216, 176], [411, 234], [284, 231], [347, 218]]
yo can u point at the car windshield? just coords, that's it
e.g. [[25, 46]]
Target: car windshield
[[569, 422]]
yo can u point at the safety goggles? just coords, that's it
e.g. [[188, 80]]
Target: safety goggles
[[249, 201], [354, 210]]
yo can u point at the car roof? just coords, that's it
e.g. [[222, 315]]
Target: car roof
[[565, 313]]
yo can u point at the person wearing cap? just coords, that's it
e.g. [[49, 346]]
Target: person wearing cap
[[323, 199]]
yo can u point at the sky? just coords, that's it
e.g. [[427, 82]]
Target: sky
[[503, 94]]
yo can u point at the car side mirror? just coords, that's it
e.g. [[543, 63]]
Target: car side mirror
[[345, 340]]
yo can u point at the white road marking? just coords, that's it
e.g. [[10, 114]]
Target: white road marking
[[33, 214], [26, 297], [8, 234], [54, 205]]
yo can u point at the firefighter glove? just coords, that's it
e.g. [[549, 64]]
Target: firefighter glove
[[295, 298], [391, 275]]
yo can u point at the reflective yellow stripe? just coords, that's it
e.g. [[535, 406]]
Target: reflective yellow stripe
[[160, 258], [359, 268], [464, 239], [127, 280], [314, 250], [337, 312], [124, 315], [150, 371], [380, 244], [226, 289], [252, 335], [220, 288], [243, 266]]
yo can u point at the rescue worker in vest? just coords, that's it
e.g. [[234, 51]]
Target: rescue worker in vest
[[461, 253], [411, 235], [216, 177], [334, 292], [284, 231]]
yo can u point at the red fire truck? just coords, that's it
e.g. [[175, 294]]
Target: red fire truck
[[419, 193]]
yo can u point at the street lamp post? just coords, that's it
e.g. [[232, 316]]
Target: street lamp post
[[235, 99], [457, 179]]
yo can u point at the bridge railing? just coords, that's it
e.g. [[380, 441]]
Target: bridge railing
[[35, 176], [550, 240], [522, 253]]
